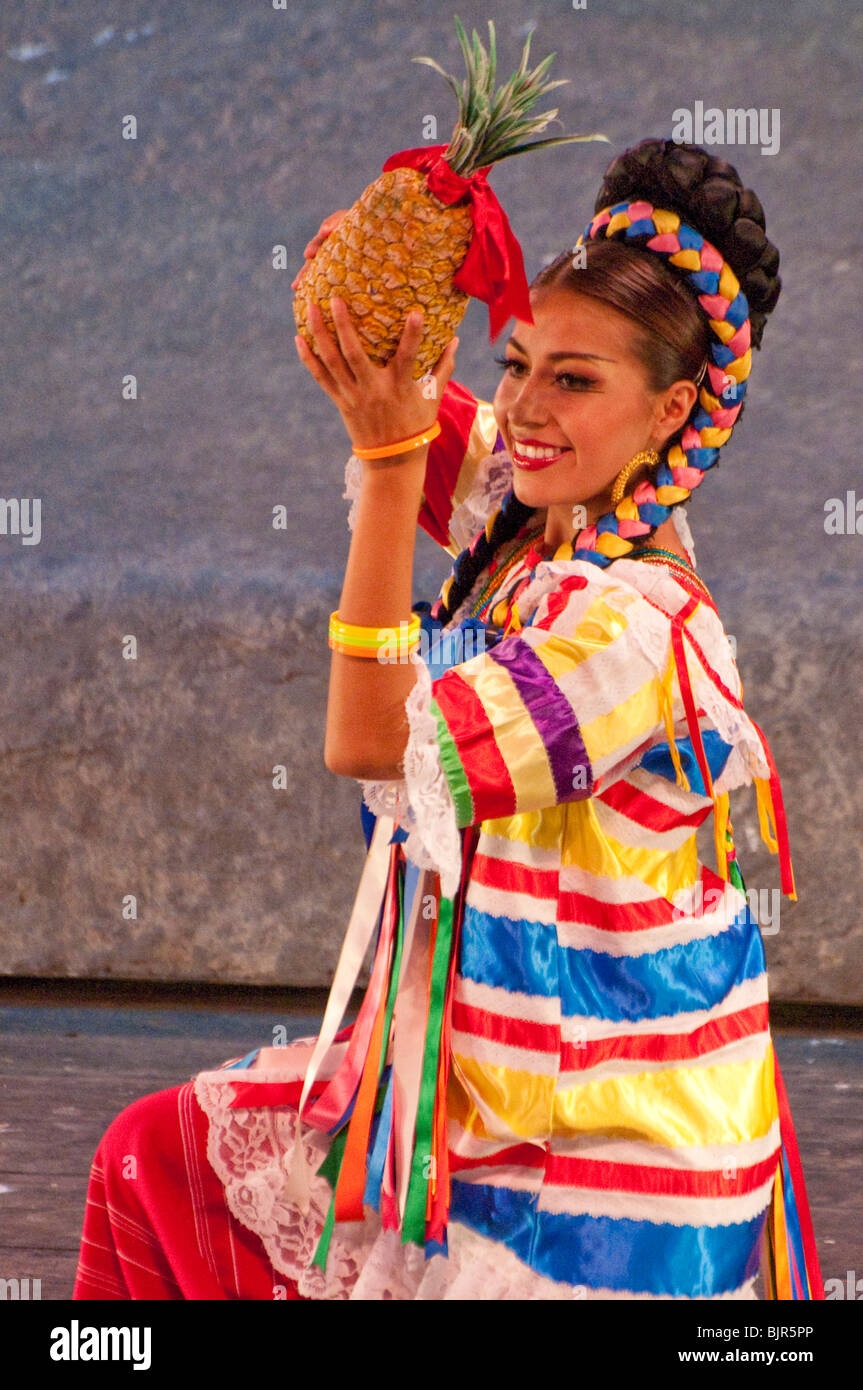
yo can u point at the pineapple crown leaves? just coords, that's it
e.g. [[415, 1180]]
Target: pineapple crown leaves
[[492, 125]]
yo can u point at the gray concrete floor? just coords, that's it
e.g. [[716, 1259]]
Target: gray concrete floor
[[67, 1068]]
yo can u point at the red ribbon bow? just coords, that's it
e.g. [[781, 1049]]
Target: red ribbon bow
[[493, 269]]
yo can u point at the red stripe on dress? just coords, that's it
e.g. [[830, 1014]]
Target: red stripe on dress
[[599, 1174], [515, 1032], [250, 1095], [646, 811], [559, 599], [666, 1047], [514, 878], [472, 732], [517, 1156], [446, 457], [581, 909]]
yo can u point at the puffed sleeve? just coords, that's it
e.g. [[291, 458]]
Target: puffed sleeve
[[556, 712], [468, 472], [458, 461]]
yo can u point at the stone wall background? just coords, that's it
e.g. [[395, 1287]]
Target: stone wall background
[[154, 257]]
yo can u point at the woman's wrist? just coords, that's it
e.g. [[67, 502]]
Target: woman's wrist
[[396, 469]]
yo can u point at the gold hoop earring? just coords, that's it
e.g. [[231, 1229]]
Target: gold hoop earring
[[645, 456]]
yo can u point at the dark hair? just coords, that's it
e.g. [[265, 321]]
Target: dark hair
[[671, 335]]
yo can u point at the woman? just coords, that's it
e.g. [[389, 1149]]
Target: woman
[[561, 1083]]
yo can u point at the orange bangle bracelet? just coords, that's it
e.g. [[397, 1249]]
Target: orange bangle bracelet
[[402, 446]]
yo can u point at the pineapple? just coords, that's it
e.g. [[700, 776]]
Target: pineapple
[[399, 247]]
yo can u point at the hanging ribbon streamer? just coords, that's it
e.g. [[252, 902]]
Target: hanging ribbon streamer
[[413, 1225], [348, 1199], [768, 791], [793, 1270], [364, 918], [493, 269]]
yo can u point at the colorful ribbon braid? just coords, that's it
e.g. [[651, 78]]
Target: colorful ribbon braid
[[719, 294], [503, 525]]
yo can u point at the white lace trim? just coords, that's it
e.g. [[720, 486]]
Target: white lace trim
[[492, 481], [681, 526], [353, 482], [421, 801], [250, 1152]]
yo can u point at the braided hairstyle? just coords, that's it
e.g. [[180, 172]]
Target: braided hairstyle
[[679, 246]]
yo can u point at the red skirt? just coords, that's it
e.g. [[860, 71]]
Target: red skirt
[[156, 1223]]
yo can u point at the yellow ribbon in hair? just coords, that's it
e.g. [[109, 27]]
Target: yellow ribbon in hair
[[686, 259], [608, 543]]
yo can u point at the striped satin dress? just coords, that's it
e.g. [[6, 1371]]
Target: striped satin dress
[[613, 1118], [613, 1125]]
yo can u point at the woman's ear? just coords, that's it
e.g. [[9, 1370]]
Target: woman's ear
[[674, 410]]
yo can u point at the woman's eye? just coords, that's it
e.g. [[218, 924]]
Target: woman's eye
[[579, 380], [512, 366]]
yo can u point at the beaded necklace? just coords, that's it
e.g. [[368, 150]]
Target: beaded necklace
[[496, 580], [656, 555], [488, 600]]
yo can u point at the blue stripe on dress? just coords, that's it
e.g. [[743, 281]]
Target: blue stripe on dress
[[603, 1252], [658, 759], [526, 957]]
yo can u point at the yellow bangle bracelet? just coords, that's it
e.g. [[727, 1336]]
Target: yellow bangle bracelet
[[402, 446], [347, 649], [357, 635]]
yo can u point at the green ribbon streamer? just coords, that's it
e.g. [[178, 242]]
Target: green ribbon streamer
[[332, 1164], [413, 1226], [397, 963]]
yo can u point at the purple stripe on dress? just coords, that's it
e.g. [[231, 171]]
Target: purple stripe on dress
[[552, 716]]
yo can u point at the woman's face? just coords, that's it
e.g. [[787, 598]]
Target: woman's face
[[573, 383]]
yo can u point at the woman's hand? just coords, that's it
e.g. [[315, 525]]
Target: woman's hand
[[379, 405], [328, 225]]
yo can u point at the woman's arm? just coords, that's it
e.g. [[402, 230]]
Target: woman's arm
[[367, 729], [452, 460]]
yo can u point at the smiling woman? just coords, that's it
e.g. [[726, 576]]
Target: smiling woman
[[561, 1083], [566, 430]]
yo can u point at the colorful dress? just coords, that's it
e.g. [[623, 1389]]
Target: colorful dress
[[561, 1083]]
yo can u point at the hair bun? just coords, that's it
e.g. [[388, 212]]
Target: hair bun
[[706, 192]]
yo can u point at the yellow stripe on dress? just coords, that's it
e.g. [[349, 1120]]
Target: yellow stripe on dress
[[588, 847], [731, 1103], [479, 445], [492, 1101], [726, 1104], [609, 737]]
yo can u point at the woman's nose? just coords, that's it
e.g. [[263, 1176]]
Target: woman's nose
[[527, 407]]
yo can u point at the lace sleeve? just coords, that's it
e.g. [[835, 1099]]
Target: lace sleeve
[[353, 479], [421, 801], [491, 484]]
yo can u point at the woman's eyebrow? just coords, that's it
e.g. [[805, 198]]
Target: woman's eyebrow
[[556, 356]]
